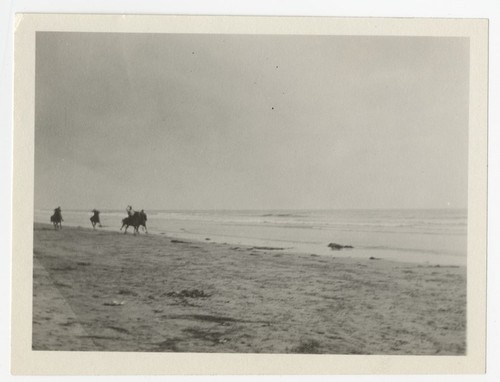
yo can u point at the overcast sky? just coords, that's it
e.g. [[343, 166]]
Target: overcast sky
[[250, 122]]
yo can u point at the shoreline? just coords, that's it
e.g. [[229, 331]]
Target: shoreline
[[399, 255], [105, 291]]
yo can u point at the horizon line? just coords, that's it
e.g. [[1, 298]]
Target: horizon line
[[266, 209]]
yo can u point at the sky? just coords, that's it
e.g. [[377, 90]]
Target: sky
[[180, 121]]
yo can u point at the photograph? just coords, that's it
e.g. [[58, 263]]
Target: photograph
[[226, 192]]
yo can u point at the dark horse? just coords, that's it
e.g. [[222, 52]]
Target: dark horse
[[135, 219], [57, 219], [94, 219]]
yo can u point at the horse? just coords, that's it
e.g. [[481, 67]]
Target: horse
[[144, 219], [57, 219], [94, 219], [135, 219]]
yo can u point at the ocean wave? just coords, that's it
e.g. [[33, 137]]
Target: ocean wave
[[415, 250], [424, 222]]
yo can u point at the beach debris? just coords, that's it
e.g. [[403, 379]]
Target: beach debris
[[114, 303], [169, 344], [374, 258], [307, 347], [68, 323], [207, 238], [177, 241], [268, 248], [118, 329], [193, 293], [62, 285], [338, 247], [127, 292]]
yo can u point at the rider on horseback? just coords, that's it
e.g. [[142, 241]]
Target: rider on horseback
[[135, 219], [130, 211], [95, 219], [57, 218]]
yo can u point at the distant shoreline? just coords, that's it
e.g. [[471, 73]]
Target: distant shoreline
[[153, 210], [203, 239], [418, 236]]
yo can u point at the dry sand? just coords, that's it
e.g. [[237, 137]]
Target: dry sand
[[105, 291]]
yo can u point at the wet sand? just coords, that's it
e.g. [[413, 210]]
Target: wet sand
[[105, 291]]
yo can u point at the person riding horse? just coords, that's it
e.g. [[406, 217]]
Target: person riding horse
[[134, 219], [94, 219], [130, 211], [144, 217], [57, 218]]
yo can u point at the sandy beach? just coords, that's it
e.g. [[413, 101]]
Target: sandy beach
[[105, 291]]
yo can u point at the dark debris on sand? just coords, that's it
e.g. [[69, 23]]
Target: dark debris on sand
[[193, 293], [338, 247]]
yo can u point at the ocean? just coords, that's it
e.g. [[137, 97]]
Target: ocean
[[421, 236]]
